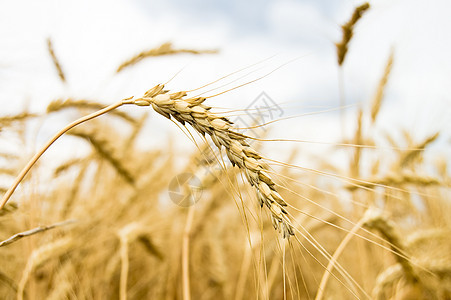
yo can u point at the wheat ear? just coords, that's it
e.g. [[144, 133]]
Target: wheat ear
[[6, 121], [378, 97], [198, 115], [38, 257], [391, 234], [348, 31], [55, 60]]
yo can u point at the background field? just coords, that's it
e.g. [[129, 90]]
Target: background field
[[359, 151]]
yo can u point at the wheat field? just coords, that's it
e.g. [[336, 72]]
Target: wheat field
[[111, 205]]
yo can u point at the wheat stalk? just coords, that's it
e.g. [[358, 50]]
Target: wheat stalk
[[35, 158], [198, 115], [61, 104], [186, 287], [341, 247], [33, 231], [126, 234]]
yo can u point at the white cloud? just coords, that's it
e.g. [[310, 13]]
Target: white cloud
[[92, 37]]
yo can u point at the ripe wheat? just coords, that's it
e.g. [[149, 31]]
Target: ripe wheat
[[198, 115]]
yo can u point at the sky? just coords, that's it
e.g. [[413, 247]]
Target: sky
[[91, 38]]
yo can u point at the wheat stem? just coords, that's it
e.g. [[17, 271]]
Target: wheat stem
[[337, 253], [124, 268], [33, 231], [35, 158], [185, 254]]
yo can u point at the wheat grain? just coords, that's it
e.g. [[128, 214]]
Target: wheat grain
[[198, 115]]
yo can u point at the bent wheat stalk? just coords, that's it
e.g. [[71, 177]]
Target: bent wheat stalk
[[35, 158], [33, 231]]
